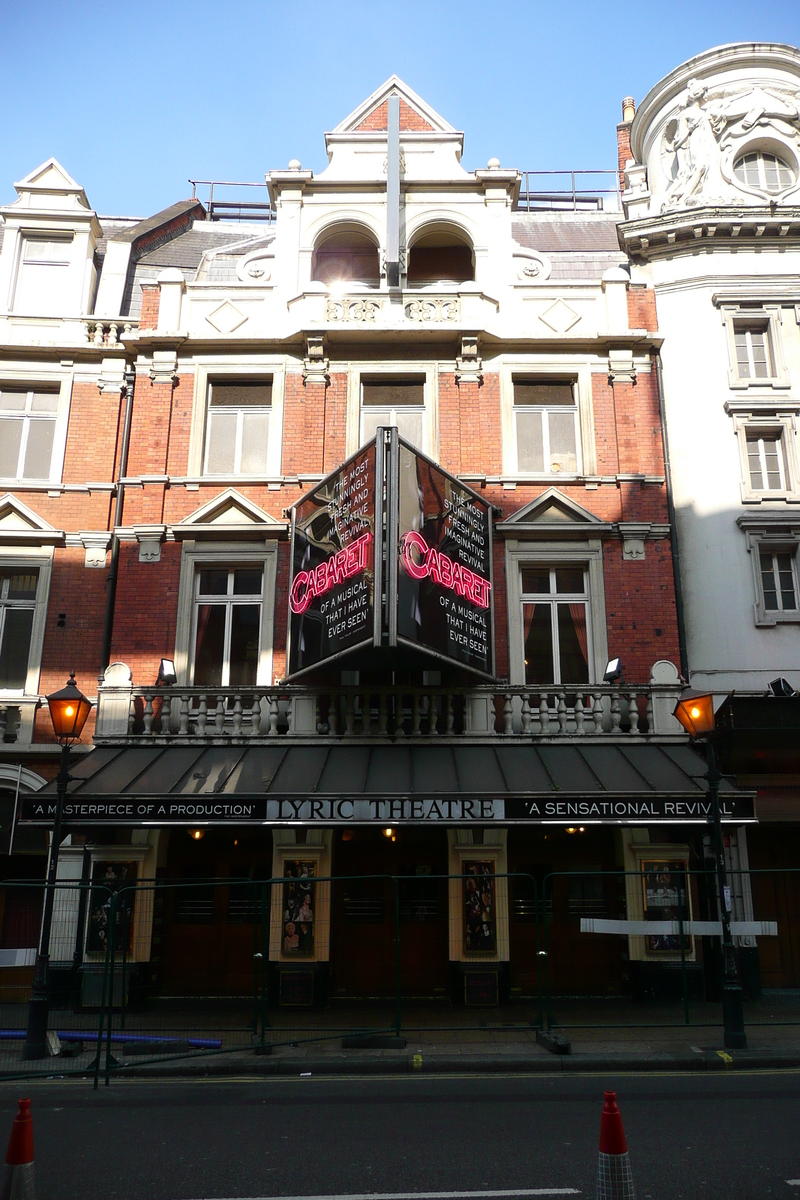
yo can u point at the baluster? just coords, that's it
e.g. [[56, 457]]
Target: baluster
[[526, 713], [544, 714], [112, 334], [132, 717], [166, 715], [3, 723], [255, 716], [633, 712], [399, 716], [98, 333], [433, 715], [202, 717], [127, 329], [349, 716], [416, 713], [562, 713], [86, 334], [237, 716], [383, 715], [273, 716], [451, 716], [616, 713], [219, 717], [366, 714], [649, 713], [508, 716], [332, 716], [579, 720], [184, 716]]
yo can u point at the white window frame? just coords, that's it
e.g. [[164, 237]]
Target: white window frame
[[399, 370], [67, 238], [552, 600], [773, 541], [781, 425], [585, 554], [543, 370], [237, 451], [232, 368], [769, 317], [228, 601], [31, 381], [194, 558], [27, 558]]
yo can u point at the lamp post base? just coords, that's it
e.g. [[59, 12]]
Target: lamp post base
[[733, 1017], [36, 1033]]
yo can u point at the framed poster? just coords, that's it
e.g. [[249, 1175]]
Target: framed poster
[[297, 938], [333, 562], [480, 913], [108, 878], [443, 536], [666, 898]]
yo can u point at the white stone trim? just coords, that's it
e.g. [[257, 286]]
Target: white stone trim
[[786, 424], [49, 374], [578, 369], [42, 558], [770, 315], [230, 553], [355, 373], [589, 555], [246, 367]]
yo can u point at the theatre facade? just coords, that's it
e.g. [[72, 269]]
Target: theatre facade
[[351, 513]]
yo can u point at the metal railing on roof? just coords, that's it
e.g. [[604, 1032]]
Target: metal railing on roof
[[576, 191], [220, 208]]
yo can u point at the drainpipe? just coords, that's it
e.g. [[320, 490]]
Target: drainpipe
[[673, 528], [111, 595]]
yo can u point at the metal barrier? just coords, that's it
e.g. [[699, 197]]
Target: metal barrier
[[162, 970]]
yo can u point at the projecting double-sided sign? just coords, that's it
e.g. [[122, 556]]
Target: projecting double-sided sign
[[391, 550]]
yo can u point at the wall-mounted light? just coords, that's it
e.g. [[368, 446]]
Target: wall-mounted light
[[575, 829], [695, 711], [196, 834], [781, 687], [613, 670], [166, 672]]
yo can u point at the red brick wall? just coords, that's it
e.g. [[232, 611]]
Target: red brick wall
[[410, 119], [623, 145], [151, 296], [642, 308]]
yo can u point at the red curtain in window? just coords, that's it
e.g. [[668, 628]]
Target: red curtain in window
[[527, 620], [578, 614]]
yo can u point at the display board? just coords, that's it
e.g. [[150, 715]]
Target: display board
[[334, 552], [443, 600]]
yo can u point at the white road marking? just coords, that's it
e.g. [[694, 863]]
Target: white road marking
[[793, 1182], [432, 1195]]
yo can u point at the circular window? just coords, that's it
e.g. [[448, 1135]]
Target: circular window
[[764, 170]]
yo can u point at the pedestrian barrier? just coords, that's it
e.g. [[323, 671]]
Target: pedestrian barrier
[[18, 1181], [145, 970], [614, 1178]]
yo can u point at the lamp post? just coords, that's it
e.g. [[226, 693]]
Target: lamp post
[[695, 711], [69, 709]]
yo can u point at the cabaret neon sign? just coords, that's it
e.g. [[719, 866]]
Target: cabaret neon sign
[[345, 563], [422, 561]]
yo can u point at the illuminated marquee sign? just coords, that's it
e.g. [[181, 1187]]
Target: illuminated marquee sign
[[391, 550]]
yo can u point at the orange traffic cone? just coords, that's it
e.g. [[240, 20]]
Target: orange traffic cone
[[18, 1183], [614, 1179]]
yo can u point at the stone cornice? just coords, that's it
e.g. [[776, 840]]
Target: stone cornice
[[681, 230]]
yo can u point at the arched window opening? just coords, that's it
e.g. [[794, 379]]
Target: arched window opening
[[440, 257], [347, 258], [765, 170]]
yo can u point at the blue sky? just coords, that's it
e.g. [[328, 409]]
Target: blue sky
[[135, 98]]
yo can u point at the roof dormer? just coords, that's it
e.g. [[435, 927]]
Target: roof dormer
[[47, 262]]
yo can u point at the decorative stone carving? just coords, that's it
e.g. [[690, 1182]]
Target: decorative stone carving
[[150, 538], [403, 261], [256, 267], [164, 367], [96, 547], [712, 127], [621, 367], [350, 308], [316, 367], [433, 311], [559, 317], [469, 365], [226, 318], [633, 536], [530, 266]]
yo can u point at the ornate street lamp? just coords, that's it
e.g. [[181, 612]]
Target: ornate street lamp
[[695, 711], [69, 709]]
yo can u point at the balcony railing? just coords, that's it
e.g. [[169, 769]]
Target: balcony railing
[[183, 715], [573, 191]]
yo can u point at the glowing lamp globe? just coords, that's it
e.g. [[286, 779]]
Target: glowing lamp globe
[[69, 709], [695, 711]]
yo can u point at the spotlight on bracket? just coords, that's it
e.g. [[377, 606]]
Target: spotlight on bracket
[[613, 670], [781, 687], [166, 672]]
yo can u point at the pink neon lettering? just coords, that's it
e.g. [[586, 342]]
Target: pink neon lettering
[[345, 563], [420, 560]]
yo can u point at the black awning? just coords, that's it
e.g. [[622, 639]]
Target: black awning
[[406, 783]]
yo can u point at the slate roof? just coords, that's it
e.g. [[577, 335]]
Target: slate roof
[[564, 232]]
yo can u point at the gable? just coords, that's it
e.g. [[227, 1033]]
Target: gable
[[410, 119], [20, 523], [50, 176], [554, 512], [228, 512]]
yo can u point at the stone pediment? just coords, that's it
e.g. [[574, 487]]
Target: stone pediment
[[553, 514], [20, 524], [415, 115], [231, 514]]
